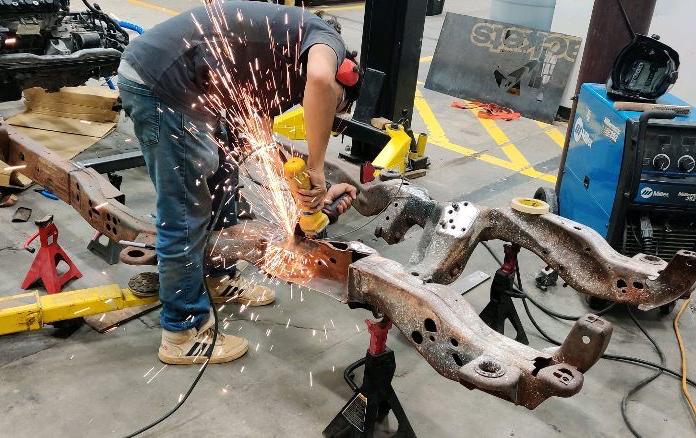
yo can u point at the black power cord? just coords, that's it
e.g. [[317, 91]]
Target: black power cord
[[519, 293], [209, 354]]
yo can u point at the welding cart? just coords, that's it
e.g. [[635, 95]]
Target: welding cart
[[629, 175]]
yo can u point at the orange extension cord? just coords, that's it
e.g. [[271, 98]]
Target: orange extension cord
[[682, 351]]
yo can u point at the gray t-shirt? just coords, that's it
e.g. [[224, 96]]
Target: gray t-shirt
[[270, 40]]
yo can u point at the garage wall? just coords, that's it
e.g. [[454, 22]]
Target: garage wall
[[673, 21]]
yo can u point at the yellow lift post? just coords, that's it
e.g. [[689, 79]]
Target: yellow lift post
[[30, 311]]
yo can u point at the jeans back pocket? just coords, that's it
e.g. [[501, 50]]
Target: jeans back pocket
[[146, 114]]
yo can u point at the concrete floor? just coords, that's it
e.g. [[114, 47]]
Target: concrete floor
[[290, 383]]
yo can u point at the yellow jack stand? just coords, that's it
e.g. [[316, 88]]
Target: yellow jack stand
[[30, 311]]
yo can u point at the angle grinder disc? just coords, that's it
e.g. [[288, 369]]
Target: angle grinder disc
[[145, 284]]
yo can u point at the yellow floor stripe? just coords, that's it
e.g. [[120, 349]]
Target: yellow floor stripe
[[501, 139], [438, 137], [155, 7], [554, 134], [426, 59]]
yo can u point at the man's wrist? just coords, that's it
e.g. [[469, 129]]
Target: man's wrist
[[317, 166]]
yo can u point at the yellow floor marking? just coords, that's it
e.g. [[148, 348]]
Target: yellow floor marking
[[426, 59], [554, 134], [438, 137], [155, 7], [339, 8], [509, 149]]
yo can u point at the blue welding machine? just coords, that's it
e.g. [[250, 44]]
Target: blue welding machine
[[631, 176]]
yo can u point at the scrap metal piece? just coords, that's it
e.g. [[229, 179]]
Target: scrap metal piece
[[22, 214]]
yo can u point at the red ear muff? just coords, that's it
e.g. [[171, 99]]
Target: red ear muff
[[348, 73]]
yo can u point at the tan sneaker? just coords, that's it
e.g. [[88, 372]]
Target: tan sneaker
[[239, 291], [191, 346]]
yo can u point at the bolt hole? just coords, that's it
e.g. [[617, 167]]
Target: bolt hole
[[586, 340], [451, 221], [463, 229], [587, 249], [455, 343], [332, 260], [135, 253], [638, 285], [432, 338], [450, 212], [466, 204], [621, 283], [417, 337], [489, 366], [458, 360], [453, 227], [415, 274], [545, 252], [430, 325], [21, 156], [387, 218]]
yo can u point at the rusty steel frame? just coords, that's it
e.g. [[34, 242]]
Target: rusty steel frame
[[88, 192], [584, 260], [436, 319], [438, 322]]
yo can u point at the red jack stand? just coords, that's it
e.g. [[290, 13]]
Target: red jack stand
[[371, 401], [50, 254]]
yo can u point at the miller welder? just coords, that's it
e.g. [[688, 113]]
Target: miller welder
[[631, 176]]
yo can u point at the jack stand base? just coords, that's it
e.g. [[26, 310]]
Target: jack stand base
[[371, 403], [545, 278], [109, 252]]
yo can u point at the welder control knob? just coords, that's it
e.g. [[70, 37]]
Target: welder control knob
[[661, 162], [687, 163]]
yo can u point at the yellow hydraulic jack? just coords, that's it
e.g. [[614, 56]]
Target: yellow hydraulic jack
[[30, 311], [403, 155]]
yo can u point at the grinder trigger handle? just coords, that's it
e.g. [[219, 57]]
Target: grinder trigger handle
[[331, 210]]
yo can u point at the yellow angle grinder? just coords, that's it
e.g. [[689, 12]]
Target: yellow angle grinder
[[312, 224]]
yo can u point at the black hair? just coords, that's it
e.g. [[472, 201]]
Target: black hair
[[330, 19]]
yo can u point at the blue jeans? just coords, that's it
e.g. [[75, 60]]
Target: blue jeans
[[184, 165]]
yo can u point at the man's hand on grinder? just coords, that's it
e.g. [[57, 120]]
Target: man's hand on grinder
[[312, 200], [336, 191]]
